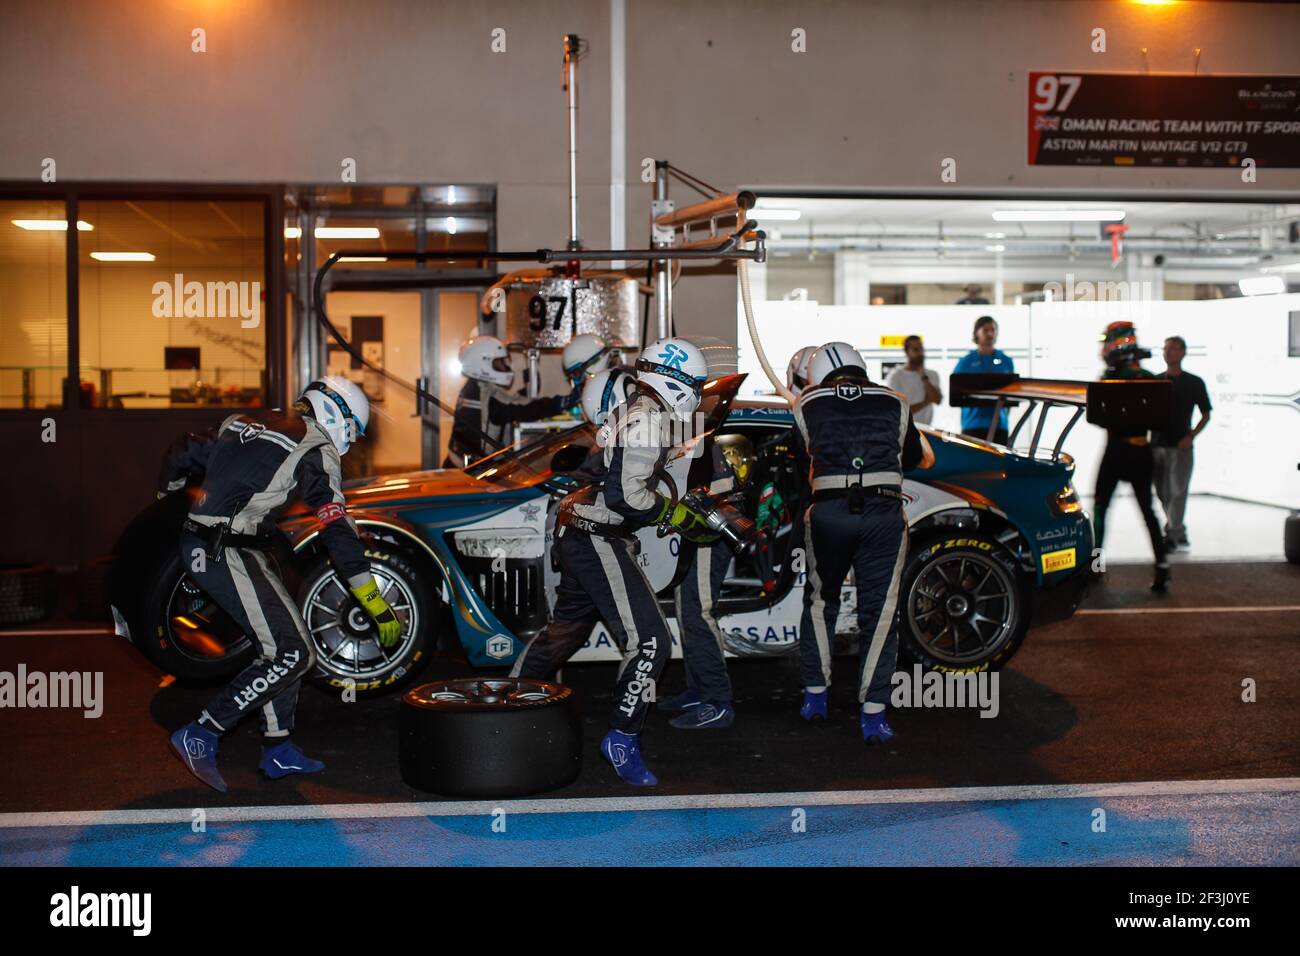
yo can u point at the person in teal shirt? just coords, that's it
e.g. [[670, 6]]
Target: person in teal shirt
[[984, 357]]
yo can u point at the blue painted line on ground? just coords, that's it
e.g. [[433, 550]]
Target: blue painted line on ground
[[1198, 829]]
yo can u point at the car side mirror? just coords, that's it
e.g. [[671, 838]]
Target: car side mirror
[[569, 458]]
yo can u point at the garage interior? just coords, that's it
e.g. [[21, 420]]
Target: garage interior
[[375, 163]]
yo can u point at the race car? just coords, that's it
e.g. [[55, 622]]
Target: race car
[[998, 543]]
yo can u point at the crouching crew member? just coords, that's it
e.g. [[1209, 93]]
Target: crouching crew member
[[596, 549], [486, 408], [1129, 455], [860, 439], [250, 467]]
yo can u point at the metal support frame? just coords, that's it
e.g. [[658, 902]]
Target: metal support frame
[[662, 238]]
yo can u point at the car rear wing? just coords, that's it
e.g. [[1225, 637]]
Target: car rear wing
[[1140, 403]]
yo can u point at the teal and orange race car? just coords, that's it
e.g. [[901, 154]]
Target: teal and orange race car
[[999, 542]]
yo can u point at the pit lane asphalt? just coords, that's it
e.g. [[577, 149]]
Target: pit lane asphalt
[[1139, 695]]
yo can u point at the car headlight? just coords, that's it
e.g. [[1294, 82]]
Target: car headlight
[[1065, 502]]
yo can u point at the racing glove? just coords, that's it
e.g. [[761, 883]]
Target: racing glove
[[688, 522], [389, 627]]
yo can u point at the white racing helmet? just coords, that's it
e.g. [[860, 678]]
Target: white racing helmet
[[485, 358], [832, 357], [583, 355], [605, 391], [340, 407], [674, 370], [796, 373]]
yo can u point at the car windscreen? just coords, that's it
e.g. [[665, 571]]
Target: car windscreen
[[529, 462]]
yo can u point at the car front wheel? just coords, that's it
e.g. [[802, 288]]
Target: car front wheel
[[348, 652], [964, 604]]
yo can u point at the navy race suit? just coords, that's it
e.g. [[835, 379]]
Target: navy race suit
[[856, 433], [251, 467], [483, 414], [599, 575]]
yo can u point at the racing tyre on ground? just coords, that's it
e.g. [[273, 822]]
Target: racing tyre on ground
[[184, 632], [490, 737], [27, 593], [1291, 541], [348, 653], [962, 604]]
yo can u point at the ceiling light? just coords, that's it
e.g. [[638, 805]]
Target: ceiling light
[[293, 232], [123, 256], [51, 225], [782, 215], [1262, 285], [451, 195], [995, 235], [347, 232], [1058, 215], [450, 225], [997, 248]]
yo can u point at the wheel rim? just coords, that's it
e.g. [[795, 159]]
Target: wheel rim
[[200, 630], [346, 640], [485, 691], [962, 607]]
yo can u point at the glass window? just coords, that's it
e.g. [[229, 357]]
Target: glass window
[[173, 296], [33, 303]]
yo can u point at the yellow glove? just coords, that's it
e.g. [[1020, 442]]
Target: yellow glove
[[690, 524], [390, 628]]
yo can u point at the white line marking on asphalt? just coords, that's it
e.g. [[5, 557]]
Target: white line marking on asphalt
[[704, 801], [1257, 609]]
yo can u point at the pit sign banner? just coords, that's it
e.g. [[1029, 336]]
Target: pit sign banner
[[1124, 119]]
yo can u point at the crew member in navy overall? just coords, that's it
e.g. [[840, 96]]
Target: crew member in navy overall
[[596, 548], [251, 467], [486, 408], [860, 438]]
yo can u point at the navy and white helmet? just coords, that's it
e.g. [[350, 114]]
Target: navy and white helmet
[[340, 407], [605, 391], [831, 358], [584, 355], [796, 373], [485, 358], [675, 371]]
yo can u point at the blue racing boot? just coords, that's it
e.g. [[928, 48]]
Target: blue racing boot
[[285, 758], [706, 717], [197, 748], [814, 705], [876, 727], [688, 699], [623, 752]]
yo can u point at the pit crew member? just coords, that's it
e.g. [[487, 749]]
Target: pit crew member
[[250, 467]]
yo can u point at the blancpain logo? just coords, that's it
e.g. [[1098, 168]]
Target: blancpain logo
[[208, 300], [74, 908]]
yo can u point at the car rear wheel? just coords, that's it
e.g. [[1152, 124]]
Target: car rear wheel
[[348, 652], [185, 633], [964, 604]]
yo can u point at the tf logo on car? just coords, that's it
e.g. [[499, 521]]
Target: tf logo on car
[[500, 646]]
